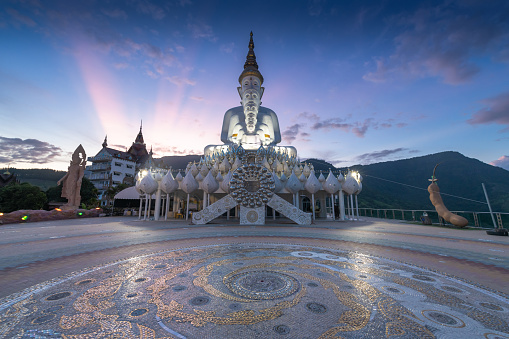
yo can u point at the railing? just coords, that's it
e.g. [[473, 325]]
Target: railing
[[101, 167], [99, 176], [100, 158], [475, 219]]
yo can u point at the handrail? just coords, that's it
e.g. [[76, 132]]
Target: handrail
[[475, 218]]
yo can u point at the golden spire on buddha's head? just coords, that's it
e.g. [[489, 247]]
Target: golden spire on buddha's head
[[251, 67]]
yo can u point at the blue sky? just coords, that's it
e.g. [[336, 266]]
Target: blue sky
[[351, 81]]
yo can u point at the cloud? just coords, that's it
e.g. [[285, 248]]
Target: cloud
[[444, 41], [227, 48], [115, 13], [121, 65], [291, 133], [359, 128], [16, 150], [200, 30], [503, 162], [495, 112], [196, 98], [334, 123], [146, 7], [118, 147], [20, 18], [173, 150], [377, 156], [315, 7], [179, 81]]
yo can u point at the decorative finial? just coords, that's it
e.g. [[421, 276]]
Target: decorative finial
[[105, 142], [250, 66]]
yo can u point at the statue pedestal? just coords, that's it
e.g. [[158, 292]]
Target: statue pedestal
[[252, 216]]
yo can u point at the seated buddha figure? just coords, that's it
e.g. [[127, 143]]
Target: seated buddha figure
[[250, 125]]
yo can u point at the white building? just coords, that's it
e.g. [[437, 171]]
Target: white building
[[111, 167]]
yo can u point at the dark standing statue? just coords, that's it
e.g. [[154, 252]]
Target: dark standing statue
[[72, 180]]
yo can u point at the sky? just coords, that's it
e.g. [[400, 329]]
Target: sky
[[352, 82]]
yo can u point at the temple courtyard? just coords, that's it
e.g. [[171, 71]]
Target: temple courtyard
[[119, 277]]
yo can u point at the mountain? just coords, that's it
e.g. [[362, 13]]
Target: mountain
[[179, 162], [44, 178], [392, 184], [384, 183]]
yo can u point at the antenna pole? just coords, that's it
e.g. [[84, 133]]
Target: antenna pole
[[489, 206]]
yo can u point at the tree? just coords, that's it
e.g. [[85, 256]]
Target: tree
[[113, 190], [88, 193], [21, 197]]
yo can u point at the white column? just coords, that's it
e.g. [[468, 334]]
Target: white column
[[341, 205], [357, 206], [187, 207], [352, 207], [149, 205], [146, 206], [157, 207], [313, 204], [167, 206], [141, 205], [332, 203]]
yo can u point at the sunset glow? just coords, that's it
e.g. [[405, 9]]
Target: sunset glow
[[351, 82]]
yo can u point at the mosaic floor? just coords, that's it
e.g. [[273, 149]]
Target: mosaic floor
[[255, 291]]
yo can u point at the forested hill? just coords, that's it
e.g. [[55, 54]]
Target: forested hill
[[384, 182], [44, 178]]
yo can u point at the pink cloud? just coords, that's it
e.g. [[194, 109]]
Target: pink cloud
[[502, 162], [495, 112]]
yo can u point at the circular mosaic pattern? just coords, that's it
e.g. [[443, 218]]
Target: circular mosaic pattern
[[84, 282], [235, 307], [281, 329], [422, 277], [289, 290], [392, 289], [179, 288], [58, 296], [252, 185], [252, 216], [199, 301], [138, 312], [316, 308], [443, 318], [262, 285], [451, 289]]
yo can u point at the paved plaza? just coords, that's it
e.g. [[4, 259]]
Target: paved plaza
[[124, 278]]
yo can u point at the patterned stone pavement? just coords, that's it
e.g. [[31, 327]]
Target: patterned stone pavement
[[262, 287]]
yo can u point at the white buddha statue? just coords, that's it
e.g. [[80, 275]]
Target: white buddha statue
[[250, 125]]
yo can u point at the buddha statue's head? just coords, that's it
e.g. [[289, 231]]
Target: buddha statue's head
[[251, 89]]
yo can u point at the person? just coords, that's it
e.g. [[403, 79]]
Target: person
[[71, 181]]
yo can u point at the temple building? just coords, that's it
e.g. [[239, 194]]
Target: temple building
[[250, 176], [7, 178], [111, 167]]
